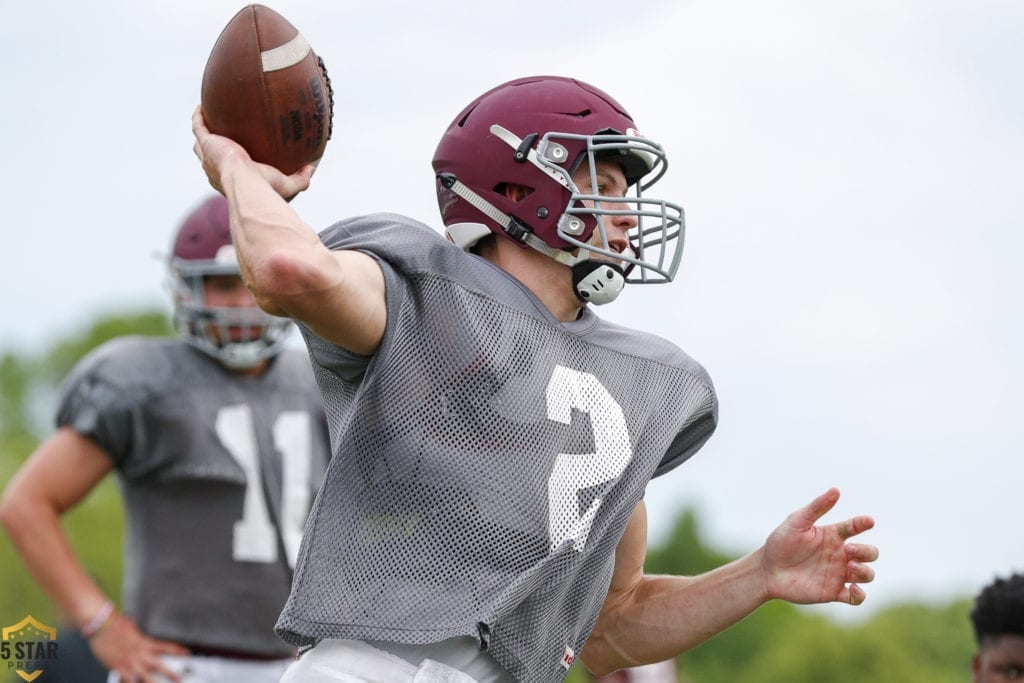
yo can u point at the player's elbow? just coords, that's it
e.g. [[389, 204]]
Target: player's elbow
[[285, 279], [600, 657], [604, 653], [15, 514]]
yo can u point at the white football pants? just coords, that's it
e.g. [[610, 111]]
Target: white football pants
[[352, 661], [219, 670]]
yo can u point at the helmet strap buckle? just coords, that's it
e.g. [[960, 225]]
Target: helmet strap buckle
[[597, 282]]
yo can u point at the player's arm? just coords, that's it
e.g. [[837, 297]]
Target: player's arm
[[648, 619], [339, 294], [60, 473]]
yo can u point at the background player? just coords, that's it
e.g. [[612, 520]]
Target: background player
[[483, 514], [998, 621], [219, 444]]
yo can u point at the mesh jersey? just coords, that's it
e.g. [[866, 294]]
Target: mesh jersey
[[486, 470], [199, 453]]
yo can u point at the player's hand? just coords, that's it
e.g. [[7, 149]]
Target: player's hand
[[218, 154], [132, 655], [807, 564]]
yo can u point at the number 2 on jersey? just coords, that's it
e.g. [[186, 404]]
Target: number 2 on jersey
[[567, 390], [255, 537]]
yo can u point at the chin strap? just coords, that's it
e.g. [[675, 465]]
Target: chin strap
[[509, 225], [597, 282], [594, 282]]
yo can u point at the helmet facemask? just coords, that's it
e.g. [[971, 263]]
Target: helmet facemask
[[655, 242], [239, 337]]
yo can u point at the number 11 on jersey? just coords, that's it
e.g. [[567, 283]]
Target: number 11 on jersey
[[255, 537]]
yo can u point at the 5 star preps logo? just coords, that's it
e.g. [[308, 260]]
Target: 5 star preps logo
[[27, 646]]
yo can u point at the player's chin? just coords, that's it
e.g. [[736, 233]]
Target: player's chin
[[621, 264], [241, 335]]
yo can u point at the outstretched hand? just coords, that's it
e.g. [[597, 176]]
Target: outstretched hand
[[807, 564], [218, 153]]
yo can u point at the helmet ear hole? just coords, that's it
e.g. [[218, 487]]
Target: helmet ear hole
[[513, 191]]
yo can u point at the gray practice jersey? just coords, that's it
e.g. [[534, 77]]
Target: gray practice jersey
[[210, 464], [486, 470]]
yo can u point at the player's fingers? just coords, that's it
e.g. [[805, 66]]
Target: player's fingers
[[805, 517], [853, 526], [167, 647], [861, 523], [860, 573], [290, 186], [166, 674], [199, 121], [155, 671], [862, 552], [131, 676], [854, 595]]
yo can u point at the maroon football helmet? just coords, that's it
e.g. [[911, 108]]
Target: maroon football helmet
[[202, 247], [536, 132]]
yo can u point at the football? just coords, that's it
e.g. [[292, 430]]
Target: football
[[265, 88]]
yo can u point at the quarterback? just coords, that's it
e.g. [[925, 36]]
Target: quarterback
[[482, 517]]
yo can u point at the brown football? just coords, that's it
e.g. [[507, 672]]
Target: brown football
[[267, 90]]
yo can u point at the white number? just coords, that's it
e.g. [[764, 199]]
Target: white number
[[292, 436], [255, 538], [573, 472]]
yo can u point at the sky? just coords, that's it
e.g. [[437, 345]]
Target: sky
[[851, 174]]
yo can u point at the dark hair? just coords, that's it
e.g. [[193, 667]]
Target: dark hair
[[999, 609]]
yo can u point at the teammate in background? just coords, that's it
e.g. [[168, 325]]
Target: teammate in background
[[219, 443], [998, 620], [483, 516]]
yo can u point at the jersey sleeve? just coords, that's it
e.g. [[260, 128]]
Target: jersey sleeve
[[687, 442], [701, 422], [340, 361], [400, 247], [348, 365], [97, 405]]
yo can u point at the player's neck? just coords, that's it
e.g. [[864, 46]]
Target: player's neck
[[550, 281]]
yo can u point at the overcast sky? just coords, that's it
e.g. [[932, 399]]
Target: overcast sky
[[852, 174]]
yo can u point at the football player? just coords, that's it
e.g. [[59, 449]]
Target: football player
[[219, 443], [998, 621], [483, 516]]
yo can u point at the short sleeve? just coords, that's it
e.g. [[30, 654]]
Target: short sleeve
[[98, 409]]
